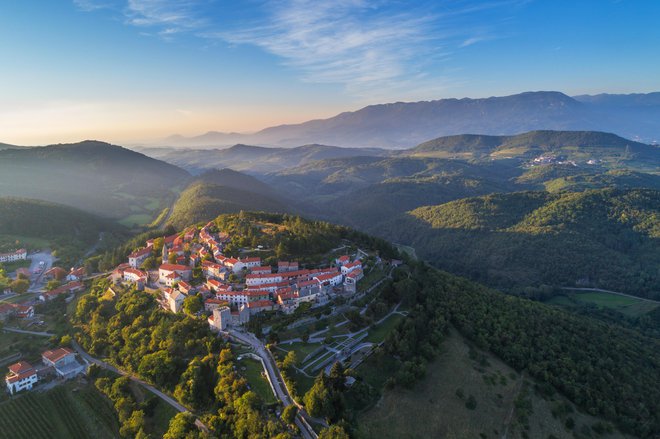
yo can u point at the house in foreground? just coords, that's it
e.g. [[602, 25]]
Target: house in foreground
[[63, 360], [21, 376]]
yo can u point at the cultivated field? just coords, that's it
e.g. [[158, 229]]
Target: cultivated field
[[69, 411], [629, 306]]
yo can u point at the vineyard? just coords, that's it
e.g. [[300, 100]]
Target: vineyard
[[67, 411]]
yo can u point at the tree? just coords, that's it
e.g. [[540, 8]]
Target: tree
[[133, 424], [289, 414], [66, 340], [19, 286], [192, 305], [52, 284], [171, 258], [182, 426], [290, 361], [334, 432]]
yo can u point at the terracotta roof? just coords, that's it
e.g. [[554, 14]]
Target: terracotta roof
[[56, 354], [20, 367], [174, 267], [140, 252]]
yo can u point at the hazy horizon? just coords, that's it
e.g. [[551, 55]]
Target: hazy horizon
[[137, 71]]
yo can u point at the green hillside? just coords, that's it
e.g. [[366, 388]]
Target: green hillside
[[97, 177], [204, 201], [609, 150], [601, 238], [69, 231]]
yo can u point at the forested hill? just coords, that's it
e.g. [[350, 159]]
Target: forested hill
[[606, 149], [598, 238], [203, 201], [70, 232], [94, 176]]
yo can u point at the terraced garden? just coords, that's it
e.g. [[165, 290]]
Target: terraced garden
[[67, 411]]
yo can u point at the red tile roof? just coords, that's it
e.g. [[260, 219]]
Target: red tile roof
[[174, 267], [56, 354]]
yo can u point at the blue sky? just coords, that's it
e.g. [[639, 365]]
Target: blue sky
[[132, 70]]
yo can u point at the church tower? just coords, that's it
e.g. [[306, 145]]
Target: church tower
[[164, 254]]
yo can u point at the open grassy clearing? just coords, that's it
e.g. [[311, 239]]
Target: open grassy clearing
[[252, 370], [139, 219], [378, 334], [629, 306], [68, 411], [439, 405], [31, 346]]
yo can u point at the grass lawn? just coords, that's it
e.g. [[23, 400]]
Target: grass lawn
[[71, 410], [23, 241], [302, 350], [630, 306], [378, 334], [31, 346], [252, 369], [12, 266], [19, 298], [139, 219]]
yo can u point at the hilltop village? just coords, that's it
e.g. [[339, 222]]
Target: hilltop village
[[193, 265]]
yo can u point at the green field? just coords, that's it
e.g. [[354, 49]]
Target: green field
[[67, 411], [378, 334], [302, 350], [629, 306], [31, 346], [138, 219], [252, 370]]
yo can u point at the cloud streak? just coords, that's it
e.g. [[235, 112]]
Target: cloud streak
[[370, 47]]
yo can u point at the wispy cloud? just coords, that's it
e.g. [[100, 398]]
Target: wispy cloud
[[370, 47]]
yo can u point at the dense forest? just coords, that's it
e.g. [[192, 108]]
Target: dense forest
[[70, 232], [598, 238], [606, 370]]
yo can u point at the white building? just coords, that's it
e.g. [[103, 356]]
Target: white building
[[136, 258], [21, 376], [166, 273], [18, 255], [347, 268], [63, 360], [260, 279]]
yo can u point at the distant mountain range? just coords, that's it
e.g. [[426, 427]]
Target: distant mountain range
[[405, 124]]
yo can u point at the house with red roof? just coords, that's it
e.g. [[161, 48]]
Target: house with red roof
[[329, 279], [137, 258], [63, 360], [170, 273], [58, 273], [21, 376], [345, 259], [261, 270], [69, 288], [260, 306], [351, 280], [285, 266], [251, 262], [76, 274], [259, 279], [347, 268]]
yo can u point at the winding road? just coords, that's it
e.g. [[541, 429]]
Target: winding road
[[168, 399], [282, 392]]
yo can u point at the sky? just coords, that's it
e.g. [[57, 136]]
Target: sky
[[131, 71]]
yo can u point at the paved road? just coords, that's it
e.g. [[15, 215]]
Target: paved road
[[281, 390], [171, 401], [47, 258], [598, 290], [23, 331]]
